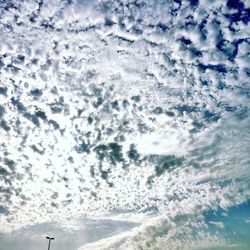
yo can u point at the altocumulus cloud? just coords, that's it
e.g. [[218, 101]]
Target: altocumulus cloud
[[130, 111]]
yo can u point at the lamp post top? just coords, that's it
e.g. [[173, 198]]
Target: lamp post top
[[49, 238]]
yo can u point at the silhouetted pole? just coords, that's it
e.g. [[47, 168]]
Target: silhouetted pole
[[50, 239]]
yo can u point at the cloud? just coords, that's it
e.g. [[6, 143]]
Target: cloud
[[140, 107]]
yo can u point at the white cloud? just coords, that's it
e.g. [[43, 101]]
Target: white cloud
[[122, 74]]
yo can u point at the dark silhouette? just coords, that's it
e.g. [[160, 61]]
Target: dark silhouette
[[50, 239]]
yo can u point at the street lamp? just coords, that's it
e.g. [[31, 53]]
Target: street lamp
[[50, 239]]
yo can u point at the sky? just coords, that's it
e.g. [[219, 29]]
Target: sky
[[124, 124]]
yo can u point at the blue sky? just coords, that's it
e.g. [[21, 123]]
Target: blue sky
[[236, 225]]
